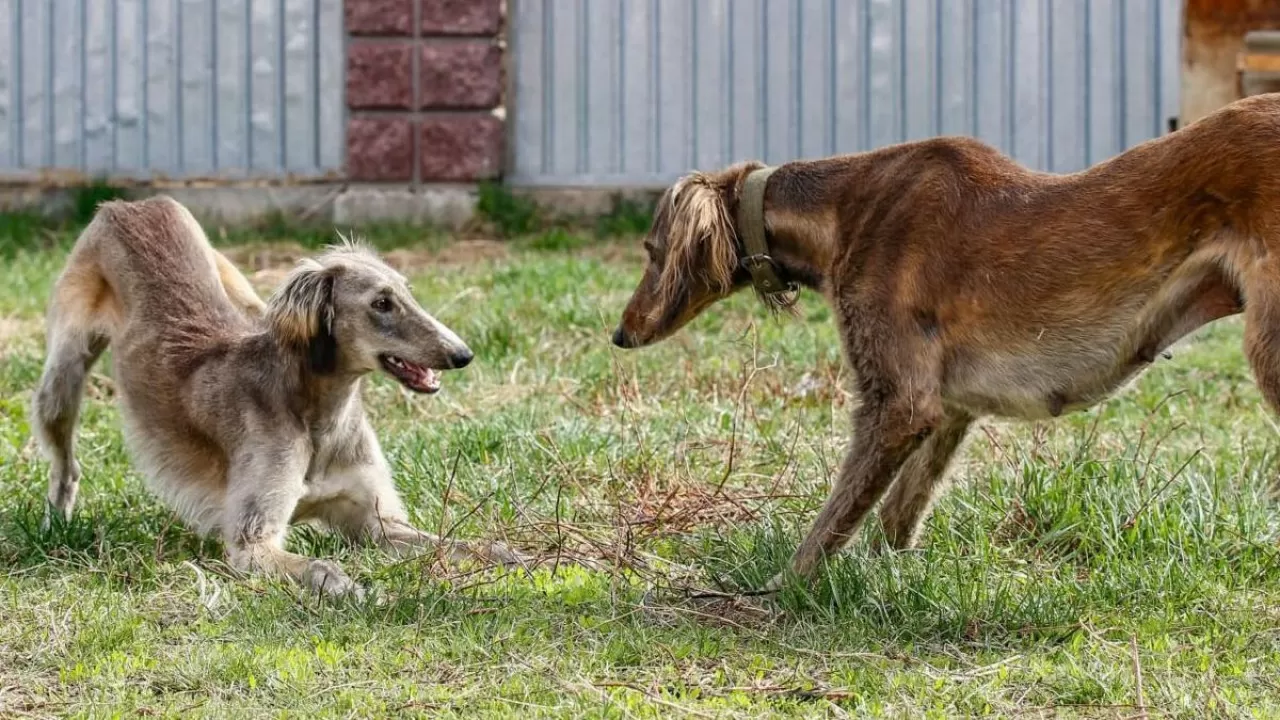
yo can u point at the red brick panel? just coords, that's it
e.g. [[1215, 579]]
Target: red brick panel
[[380, 149], [380, 76], [459, 75], [461, 17], [430, 122], [379, 17], [461, 148]]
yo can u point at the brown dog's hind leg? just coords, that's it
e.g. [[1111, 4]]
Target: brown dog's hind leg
[[1262, 329], [920, 481], [886, 432]]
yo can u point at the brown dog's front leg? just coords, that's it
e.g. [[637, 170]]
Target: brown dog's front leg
[[885, 434]]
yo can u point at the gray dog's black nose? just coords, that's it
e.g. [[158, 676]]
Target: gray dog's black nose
[[620, 338], [461, 359]]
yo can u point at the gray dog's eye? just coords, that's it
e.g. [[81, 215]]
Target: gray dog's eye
[[382, 304]]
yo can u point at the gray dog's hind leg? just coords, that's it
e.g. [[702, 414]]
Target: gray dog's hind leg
[[55, 409]]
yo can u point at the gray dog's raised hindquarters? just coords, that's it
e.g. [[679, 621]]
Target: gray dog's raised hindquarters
[[243, 416]]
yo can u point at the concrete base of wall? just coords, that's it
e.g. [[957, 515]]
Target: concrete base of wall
[[230, 205], [446, 207], [450, 207]]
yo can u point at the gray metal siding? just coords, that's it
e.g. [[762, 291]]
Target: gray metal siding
[[637, 92], [225, 89]]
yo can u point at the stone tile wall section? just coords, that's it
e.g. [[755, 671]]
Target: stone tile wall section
[[424, 91]]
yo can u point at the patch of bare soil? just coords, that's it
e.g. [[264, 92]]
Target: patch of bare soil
[[12, 328], [615, 252], [268, 279], [461, 252], [253, 258], [19, 333]]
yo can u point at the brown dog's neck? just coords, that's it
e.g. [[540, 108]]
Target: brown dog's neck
[[800, 220]]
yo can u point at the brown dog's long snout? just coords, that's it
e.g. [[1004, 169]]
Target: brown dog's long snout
[[622, 339]]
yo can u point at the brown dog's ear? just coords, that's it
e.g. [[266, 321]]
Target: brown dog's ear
[[701, 238], [301, 313]]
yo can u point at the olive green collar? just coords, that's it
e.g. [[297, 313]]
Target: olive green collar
[[755, 237]]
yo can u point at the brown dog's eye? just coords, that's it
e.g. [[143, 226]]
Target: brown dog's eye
[[382, 305]]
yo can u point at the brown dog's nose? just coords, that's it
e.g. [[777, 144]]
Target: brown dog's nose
[[620, 338], [461, 359]]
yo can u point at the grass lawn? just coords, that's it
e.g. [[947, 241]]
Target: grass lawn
[[1139, 539]]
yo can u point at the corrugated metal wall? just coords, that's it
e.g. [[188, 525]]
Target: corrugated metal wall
[[637, 92], [224, 89]]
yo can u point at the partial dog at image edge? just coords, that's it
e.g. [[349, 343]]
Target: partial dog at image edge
[[965, 285], [243, 416]]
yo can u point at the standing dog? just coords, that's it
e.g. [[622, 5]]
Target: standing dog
[[965, 285], [243, 417]]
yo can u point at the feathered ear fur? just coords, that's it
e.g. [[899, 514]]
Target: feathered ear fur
[[301, 314], [703, 237], [700, 238]]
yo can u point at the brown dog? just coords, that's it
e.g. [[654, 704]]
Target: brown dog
[[966, 285]]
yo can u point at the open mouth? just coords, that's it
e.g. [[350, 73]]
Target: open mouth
[[415, 377]]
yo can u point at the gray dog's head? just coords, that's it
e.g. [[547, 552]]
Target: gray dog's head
[[353, 314]]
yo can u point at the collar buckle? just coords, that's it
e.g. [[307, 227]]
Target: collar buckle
[[764, 275]]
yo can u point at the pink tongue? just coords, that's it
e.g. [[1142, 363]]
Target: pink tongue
[[427, 379]]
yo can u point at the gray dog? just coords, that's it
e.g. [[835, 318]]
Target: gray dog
[[244, 417]]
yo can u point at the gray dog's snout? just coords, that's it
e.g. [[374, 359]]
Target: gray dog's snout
[[461, 358], [454, 350]]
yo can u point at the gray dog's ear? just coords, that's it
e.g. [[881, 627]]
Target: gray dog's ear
[[301, 311]]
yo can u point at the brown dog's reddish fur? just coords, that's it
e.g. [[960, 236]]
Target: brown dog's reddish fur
[[966, 285]]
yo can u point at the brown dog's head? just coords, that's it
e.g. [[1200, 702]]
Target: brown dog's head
[[352, 314], [693, 257]]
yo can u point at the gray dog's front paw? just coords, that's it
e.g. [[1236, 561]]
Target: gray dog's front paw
[[328, 580], [462, 552], [503, 555], [775, 584]]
